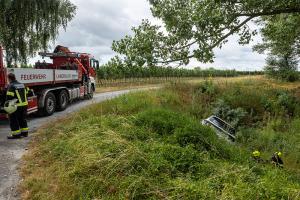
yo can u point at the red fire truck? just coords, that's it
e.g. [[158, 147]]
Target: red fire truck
[[71, 76]]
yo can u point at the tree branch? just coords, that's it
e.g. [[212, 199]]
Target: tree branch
[[275, 12], [249, 16], [197, 40], [185, 46], [232, 31], [213, 45]]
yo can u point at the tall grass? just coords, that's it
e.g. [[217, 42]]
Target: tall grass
[[151, 145]]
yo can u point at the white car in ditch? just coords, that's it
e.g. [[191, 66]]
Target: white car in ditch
[[222, 128]]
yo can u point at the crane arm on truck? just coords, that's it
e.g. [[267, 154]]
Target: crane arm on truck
[[74, 57]]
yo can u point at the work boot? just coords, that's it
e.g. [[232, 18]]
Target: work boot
[[12, 137], [24, 134]]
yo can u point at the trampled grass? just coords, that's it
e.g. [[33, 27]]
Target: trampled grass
[[150, 145]]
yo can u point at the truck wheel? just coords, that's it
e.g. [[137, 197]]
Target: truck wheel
[[91, 95], [62, 100], [50, 104]]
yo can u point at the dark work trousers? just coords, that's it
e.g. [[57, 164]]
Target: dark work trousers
[[18, 122]]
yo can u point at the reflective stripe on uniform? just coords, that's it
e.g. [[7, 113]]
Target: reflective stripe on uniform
[[24, 129], [16, 132], [26, 93], [27, 90], [10, 94], [21, 103]]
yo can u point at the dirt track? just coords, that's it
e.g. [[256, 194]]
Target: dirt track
[[11, 152]]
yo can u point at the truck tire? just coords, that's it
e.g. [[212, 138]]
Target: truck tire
[[50, 104], [91, 95], [62, 100]]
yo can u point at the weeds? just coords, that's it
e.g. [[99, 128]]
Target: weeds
[[161, 121], [150, 145]]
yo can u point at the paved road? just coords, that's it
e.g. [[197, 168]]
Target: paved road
[[12, 151]]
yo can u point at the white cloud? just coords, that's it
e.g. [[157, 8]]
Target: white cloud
[[236, 56], [98, 23]]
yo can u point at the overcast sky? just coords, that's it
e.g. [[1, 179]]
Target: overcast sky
[[99, 22]]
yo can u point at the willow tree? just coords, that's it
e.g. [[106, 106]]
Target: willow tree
[[27, 26], [194, 28]]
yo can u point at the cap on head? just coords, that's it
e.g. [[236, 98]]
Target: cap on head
[[279, 154], [11, 77], [256, 153]]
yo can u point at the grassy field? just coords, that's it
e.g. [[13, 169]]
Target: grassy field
[[150, 145], [116, 85], [218, 80], [126, 87], [146, 81]]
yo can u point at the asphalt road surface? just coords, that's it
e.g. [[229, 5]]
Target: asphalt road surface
[[11, 151]]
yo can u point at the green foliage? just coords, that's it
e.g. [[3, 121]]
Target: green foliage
[[26, 66], [137, 54], [192, 29], [143, 146], [128, 104], [281, 35], [116, 69], [250, 107], [282, 68], [281, 38], [208, 88], [233, 116], [204, 139], [161, 121], [28, 26], [287, 102], [278, 135], [172, 159]]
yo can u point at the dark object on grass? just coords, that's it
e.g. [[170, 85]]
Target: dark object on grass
[[222, 128], [277, 159]]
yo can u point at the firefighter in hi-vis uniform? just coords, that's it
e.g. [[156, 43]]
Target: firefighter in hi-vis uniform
[[18, 123]]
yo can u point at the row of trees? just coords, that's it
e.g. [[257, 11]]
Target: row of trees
[[113, 72], [118, 68]]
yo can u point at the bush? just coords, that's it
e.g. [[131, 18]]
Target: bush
[[282, 68], [162, 121], [232, 116], [287, 102], [247, 136], [172, 159], [249, 105], [208, 87], [203, 138]]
